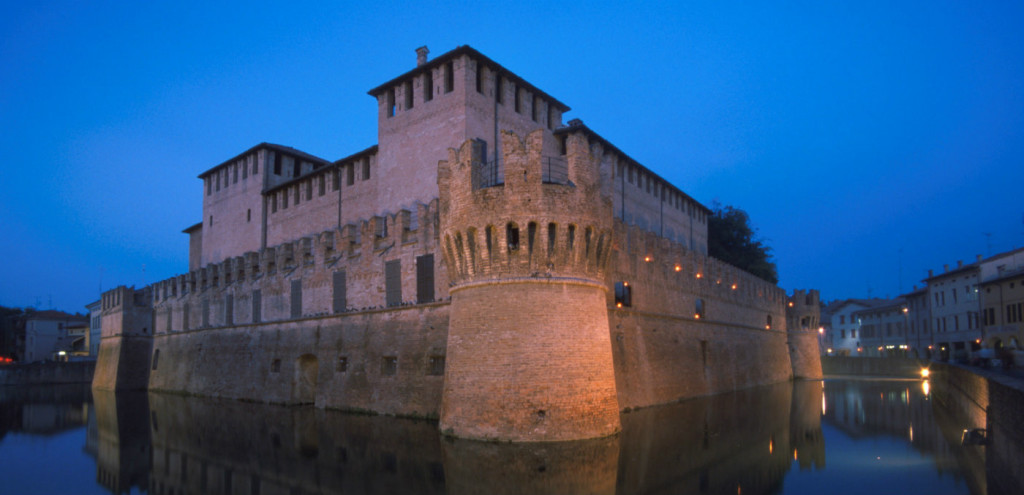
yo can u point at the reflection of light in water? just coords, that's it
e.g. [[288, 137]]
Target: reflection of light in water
[[823, 404], [925, 387], [911, 433], [906, 395], [794, 454], [771, 444]]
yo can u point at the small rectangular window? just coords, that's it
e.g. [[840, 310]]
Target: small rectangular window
[[512, 237], [339, 301], [391, 102], [497, 88], [275, 366], [623, 295], [407, 90], [342, 365], [436, 366], [388, 365], [425, 278], [296, 306], [516, 103], [393, 282], [535, 108], [366, 169], [277, 164], [479, 77], [323, 184], [256, 305]]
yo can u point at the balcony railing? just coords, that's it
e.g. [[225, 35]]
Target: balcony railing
[[554, 170]]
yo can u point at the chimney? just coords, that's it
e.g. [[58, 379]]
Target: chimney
[[977, 257], [945, 268], [959, 263], [421, 56], [931, 273]]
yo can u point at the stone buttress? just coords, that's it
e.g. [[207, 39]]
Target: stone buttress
[[529, 354]]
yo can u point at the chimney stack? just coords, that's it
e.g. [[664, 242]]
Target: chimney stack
[[977, 257], [421, 56], [959, 263], [945, 268], [931, 273]]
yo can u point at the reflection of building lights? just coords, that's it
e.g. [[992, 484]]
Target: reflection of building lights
[[823, 408], [794, 454], [911, 433], [926, 388], [771, 445]]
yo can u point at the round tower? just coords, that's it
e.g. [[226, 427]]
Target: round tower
[[803, 317], [529, 353]]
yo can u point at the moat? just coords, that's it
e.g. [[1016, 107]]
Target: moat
[[836, 436]]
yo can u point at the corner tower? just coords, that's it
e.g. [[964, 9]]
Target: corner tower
[[529, 353], [803, 317]]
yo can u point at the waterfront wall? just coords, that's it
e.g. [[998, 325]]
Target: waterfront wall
[[871, 366], [47, 373], [994, 402]]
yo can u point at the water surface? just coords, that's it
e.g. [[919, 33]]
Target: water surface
[[836, 437]]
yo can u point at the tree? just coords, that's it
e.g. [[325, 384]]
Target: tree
[[731, 239]]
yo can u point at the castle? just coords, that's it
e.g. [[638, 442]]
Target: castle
[[516, 278]]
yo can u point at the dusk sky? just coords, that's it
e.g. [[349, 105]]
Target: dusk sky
[[868, 141]]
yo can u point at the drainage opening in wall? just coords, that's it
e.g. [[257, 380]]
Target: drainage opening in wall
[[541, 414]]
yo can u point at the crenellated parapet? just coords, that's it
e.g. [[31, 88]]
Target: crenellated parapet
[[225, 293], [803, 311], [532, 222], [664, 277]]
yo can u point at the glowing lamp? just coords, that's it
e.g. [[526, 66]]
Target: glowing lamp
[[679, 268], [925, 372]]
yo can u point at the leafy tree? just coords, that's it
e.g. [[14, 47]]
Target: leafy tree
[[731, 239]]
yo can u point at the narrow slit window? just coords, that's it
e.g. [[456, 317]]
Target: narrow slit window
[[428, 86], [449, 77], [479, 78], [531, 233], [497, 88], [391, 102], [698, 311], [572, 237], [512, 237], [552, 232]]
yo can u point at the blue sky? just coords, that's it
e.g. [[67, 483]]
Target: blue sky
[[865, 139]]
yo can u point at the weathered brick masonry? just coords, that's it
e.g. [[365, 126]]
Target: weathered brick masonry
[[484, 264]]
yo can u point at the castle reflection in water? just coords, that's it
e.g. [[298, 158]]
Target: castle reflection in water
[[744, 442]]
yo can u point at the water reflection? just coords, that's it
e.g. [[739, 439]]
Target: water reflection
[[759, 441], [45, 410]]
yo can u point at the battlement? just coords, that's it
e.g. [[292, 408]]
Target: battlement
[[308, 276], [527, 224], [803, 310]]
